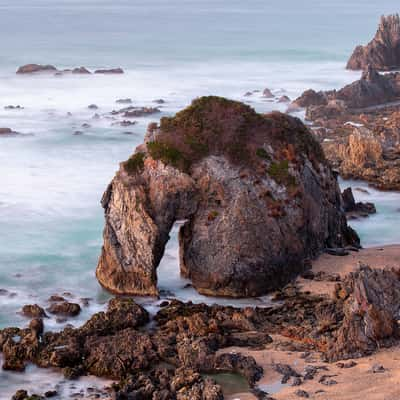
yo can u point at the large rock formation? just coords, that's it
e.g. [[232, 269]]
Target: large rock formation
[[371, 313], [358, 126], [256, 190], [370, 90], [383, 52]]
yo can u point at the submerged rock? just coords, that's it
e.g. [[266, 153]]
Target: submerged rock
[[383, 52], [109, 71], [258, 195]]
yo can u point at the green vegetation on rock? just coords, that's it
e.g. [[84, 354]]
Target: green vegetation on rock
[[135, 163]]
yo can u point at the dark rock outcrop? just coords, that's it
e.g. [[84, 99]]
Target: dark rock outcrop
[[35, 68], [383, 52], [353, 209], [256, 190]]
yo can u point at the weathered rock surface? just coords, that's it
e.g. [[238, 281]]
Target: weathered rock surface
[[257, 192], [34, 68], [165, 359], [359, 127], [370, 90], [383, 52], [371, 312]]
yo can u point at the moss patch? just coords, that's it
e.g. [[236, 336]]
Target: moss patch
[[279, 171], [167, 154], [135, 163]]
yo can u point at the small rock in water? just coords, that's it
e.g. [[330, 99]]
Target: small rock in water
[[248, 94], [65, 308], [78, 133], [268, 94], [51, 393], [124, 101], [159, 101], [109, 71], [284, 99], [86, 125], [20, 395], [93, 107], [33, 311], [11, 107]]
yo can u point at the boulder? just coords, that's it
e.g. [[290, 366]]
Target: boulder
[[258, 195], [383, 52], [34, 68], [64, 308]]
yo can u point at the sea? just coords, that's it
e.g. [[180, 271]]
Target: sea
[[51, 179]]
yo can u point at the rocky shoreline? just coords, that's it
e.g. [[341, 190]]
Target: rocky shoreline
[[165, 356]]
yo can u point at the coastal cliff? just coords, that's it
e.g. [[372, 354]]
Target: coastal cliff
[[258, 196], [383, 52]]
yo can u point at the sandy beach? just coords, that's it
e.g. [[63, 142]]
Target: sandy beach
[[355, 383]]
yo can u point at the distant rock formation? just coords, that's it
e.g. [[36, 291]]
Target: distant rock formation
[[370, 90], [258, 195], [383, 52], [39, 68], [35, 68]]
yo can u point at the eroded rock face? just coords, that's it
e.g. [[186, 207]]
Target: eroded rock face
[[371, 312], [383, 52], [258, 195], [370, 90]]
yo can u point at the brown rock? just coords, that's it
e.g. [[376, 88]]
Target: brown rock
[[64, 308], [383, 52], [34, 68], [33, 311], [251, 190]]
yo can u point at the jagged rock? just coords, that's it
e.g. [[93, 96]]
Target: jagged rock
[[311, 98], [383, 52], [373, 88], [34, 68], [267, 93], [371, 312], [256, 190]]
